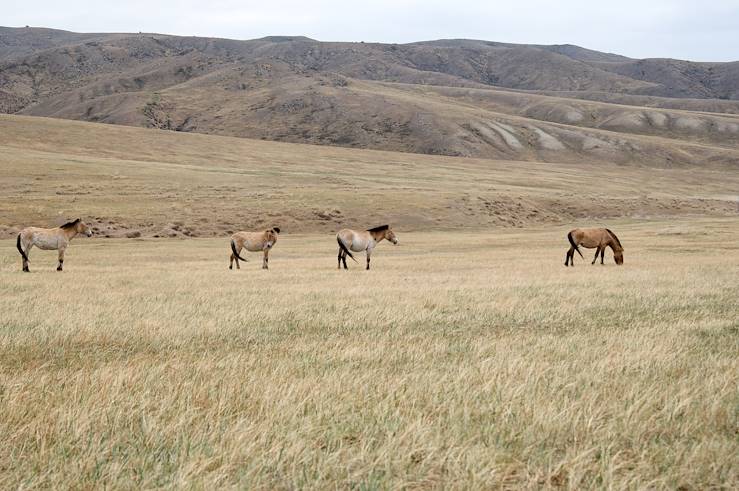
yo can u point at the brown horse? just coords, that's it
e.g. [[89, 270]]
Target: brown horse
[[362, 241], [50, 239], [253, 242], [598, 238]]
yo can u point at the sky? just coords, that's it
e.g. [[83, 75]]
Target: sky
[[685, 29]]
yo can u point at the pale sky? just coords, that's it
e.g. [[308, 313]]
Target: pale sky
[[686, 29]]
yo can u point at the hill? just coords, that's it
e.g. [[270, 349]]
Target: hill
[[141, 182], [449, 97]]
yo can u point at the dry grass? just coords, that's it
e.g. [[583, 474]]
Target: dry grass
[[462, 360]]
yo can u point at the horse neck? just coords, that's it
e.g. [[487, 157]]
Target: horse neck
[[378, 236], [614, 245], [70, 233]]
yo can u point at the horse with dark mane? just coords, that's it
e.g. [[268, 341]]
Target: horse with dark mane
[[254, 242], [357, 241], [598, 238], [48, 239]]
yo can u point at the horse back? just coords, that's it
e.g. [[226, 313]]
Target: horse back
[[590, 237], [252, 241], [44, 238], [355, 240]]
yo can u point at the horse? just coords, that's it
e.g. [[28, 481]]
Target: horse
[[50, 239], [600, 238], [362, 241], [254, 242]]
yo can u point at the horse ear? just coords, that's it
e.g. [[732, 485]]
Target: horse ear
[[78, 220], [276, 230]]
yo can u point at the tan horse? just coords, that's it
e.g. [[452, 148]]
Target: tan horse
[[50, 239], [598, 238], [362, 241], [253, 242]]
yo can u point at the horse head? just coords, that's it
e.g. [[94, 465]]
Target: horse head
[[618, 249], [270, 236], [83, 228], [618, 256]]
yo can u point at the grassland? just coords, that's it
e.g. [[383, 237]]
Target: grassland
[[469, 357], [462, 360]]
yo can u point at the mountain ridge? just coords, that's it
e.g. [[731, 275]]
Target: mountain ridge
[[450, 97]]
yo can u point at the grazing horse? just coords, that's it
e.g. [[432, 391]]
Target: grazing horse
[[254, 242], [49, 239], [598, 238], [362, 241]]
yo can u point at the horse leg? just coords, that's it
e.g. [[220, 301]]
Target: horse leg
[[231, 261], [568, 257], [369, 253], [339, 259], [61, 260], [602, 253], [597, 251], [265, 262]]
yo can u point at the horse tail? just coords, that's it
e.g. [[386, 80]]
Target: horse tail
[[343, 248], [233, 249], [20, 249], [572, 242]]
